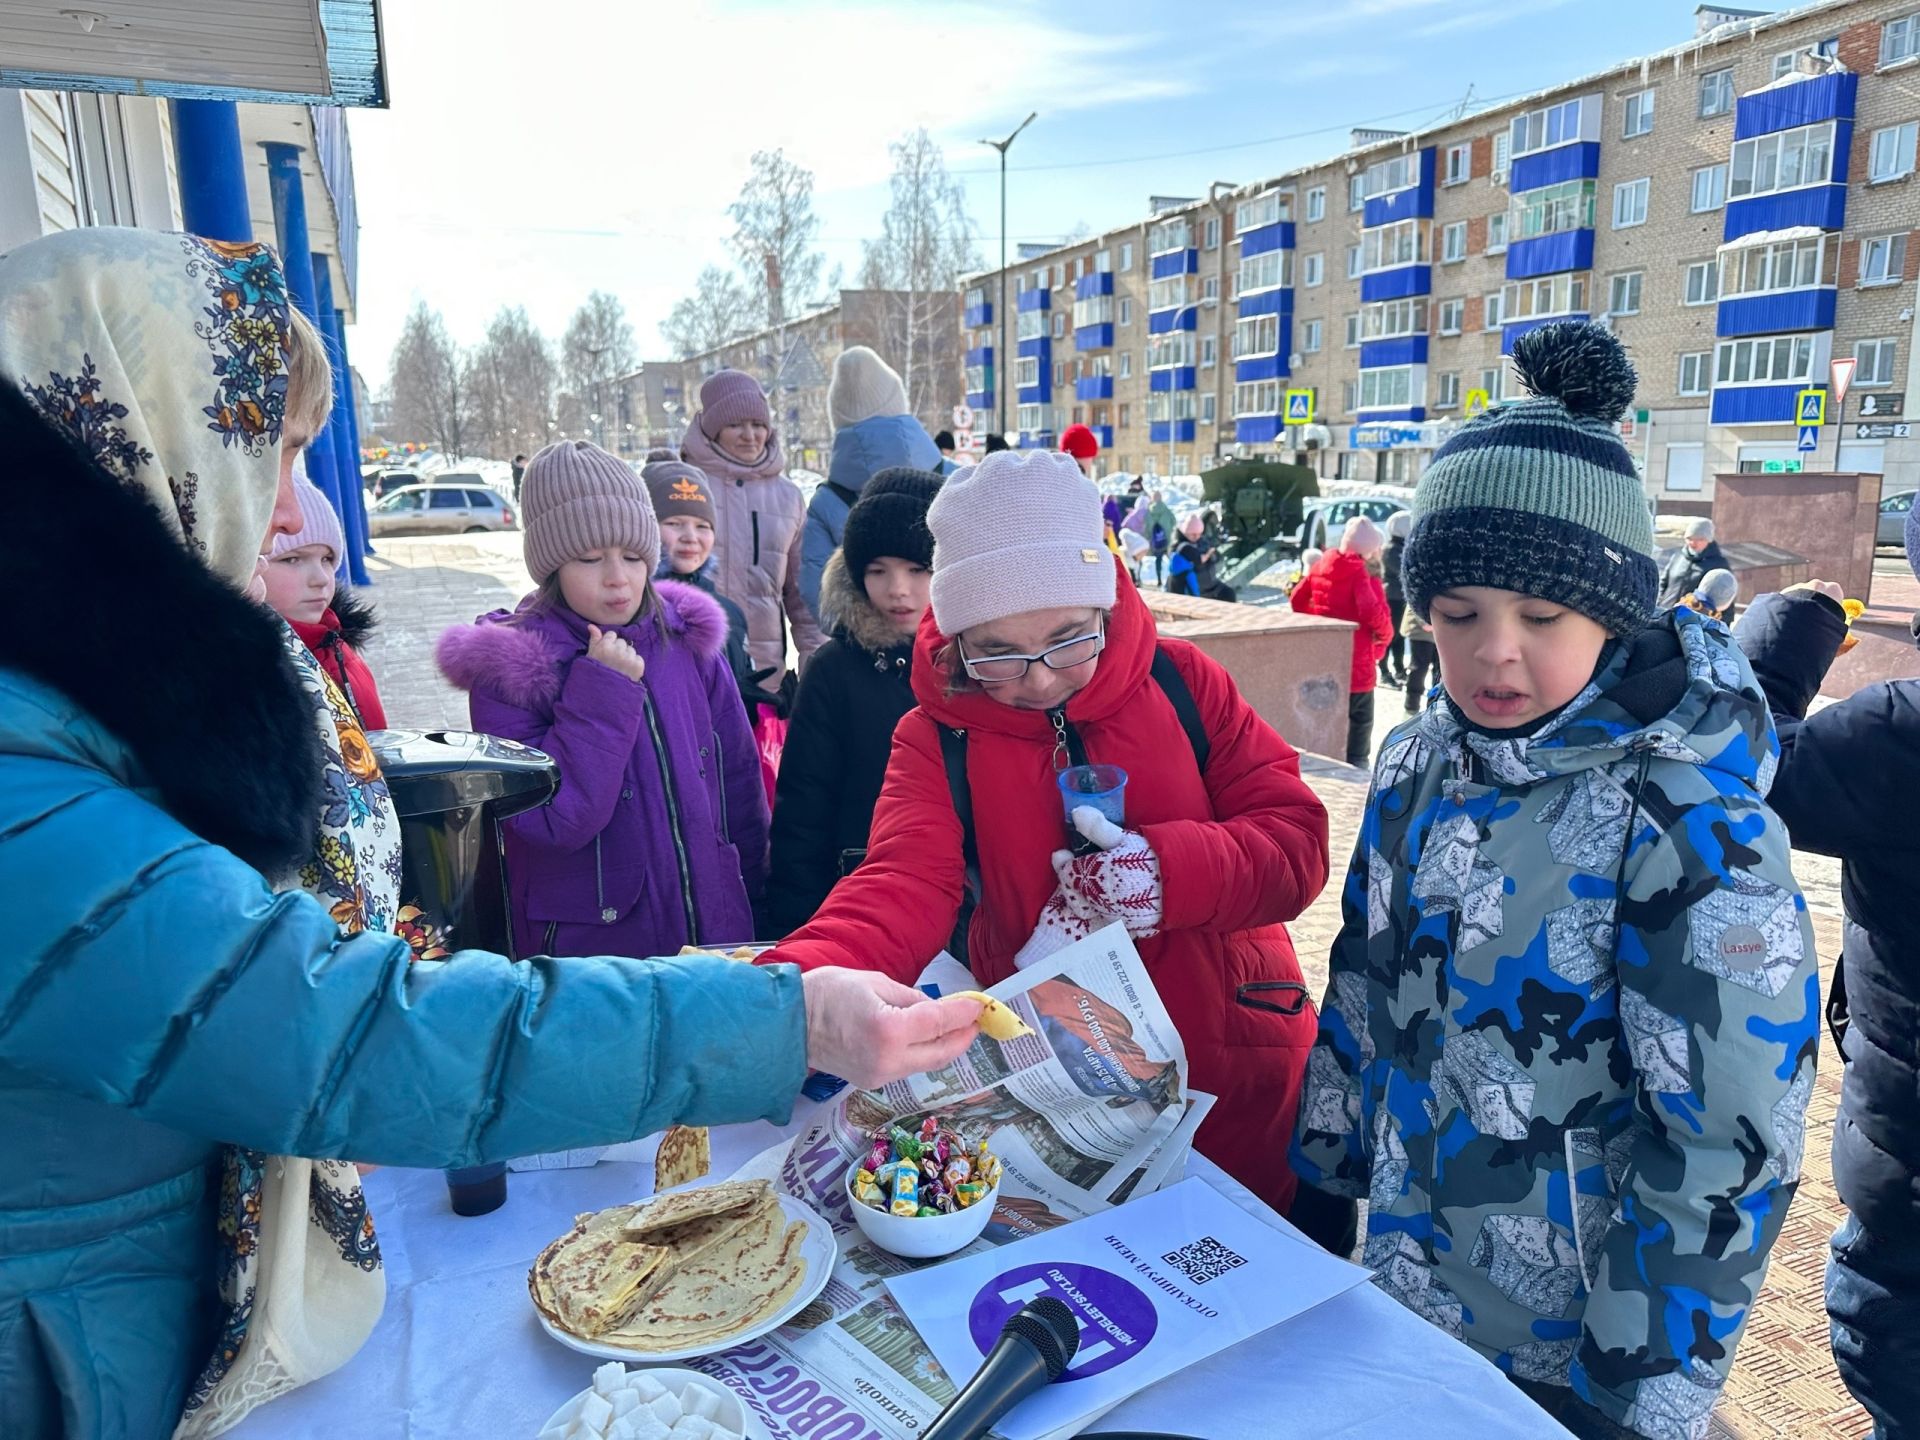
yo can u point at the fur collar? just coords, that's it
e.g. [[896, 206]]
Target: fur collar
[[853, 614], [211, 707], [356, 617], [521, 656]]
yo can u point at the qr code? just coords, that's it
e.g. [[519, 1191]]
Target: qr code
[[1206, 1259]]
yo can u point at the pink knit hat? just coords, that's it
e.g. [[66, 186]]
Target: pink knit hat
[[318, 524], [729, 397], [1020, 531], [575, 497]]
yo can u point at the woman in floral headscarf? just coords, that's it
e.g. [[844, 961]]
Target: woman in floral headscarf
[[157, 997]]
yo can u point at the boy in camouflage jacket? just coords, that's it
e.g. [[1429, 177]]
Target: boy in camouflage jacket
[[1569, 1038]]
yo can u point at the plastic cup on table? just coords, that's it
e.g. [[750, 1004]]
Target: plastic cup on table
[[1102, 787]]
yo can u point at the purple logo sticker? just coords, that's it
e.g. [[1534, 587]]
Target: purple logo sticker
[[1116, 1318]]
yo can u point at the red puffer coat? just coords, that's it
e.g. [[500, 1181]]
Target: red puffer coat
[[1340, 586], [1241, 850]]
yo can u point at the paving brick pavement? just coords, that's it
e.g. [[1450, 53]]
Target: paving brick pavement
[[1783, 1387]]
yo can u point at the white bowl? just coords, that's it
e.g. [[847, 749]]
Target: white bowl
[[921, 1237], [734, 1415]]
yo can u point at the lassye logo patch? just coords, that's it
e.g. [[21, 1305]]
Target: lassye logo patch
[[1743, 947], [1090, 557]]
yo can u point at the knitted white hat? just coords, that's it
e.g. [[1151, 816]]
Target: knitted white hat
[[1020, 531], [863, 386]]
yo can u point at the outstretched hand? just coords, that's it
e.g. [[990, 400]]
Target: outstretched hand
[[871, 1030]]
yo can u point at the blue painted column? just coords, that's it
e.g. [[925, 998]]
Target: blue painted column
[[350, 401], [296, 255], [346, 457], [213, 171]]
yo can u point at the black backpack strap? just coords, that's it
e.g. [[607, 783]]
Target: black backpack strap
[[953, 750], [1167, 676], [847, 497]]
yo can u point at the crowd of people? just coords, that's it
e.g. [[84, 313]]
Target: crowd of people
[[1564, 1055]]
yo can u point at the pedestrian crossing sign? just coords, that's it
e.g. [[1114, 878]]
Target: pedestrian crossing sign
[[1299, 407], [1810, 407], [1809, 437], [1476, 403]]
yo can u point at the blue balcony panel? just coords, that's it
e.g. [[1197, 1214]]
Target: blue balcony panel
[[1267, 302], [1257, 429], [1579, 161], [1785, 107], [1176, 262], [1413, 203], [1033, 300], [1515, 329], [1041, 394], [1277, 236], [1160, 432], [1822, 206], [1091, 287], [1163, 322], [977, 315], [1775, 314], [1374, 414], [1094, 337], [1035, 440], [1403, 350], [1093, 387], [1039, 348], [1104, 434], [1179, 377], [980, 355], [1400, 283], [1755, 404], [980, 399], [1550, 254], [1265, 367]]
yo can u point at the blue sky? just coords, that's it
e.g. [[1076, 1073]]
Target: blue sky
[[534, 152]]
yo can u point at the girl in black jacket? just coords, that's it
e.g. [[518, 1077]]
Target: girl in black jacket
[[853, 693]]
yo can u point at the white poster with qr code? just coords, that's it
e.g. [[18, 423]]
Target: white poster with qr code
[[1154, 1285]]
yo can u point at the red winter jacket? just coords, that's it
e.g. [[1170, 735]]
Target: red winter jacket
[[1341, 586], [331, 642], [1241, 850]]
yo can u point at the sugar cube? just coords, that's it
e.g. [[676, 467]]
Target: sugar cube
[[609, 1377], [595, 1412], [648, 1426], [624, 1402], [700, 1402], [692, 1427], [622, 1429], [666, 1408], [645, 1386]]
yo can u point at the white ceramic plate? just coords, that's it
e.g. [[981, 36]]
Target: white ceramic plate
[[737, 1413], [816, 1248]]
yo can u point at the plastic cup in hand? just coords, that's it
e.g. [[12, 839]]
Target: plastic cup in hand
[[1103, 787]]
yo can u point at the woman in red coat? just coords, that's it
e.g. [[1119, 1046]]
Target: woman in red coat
[[1342, 587], [1038, 654]]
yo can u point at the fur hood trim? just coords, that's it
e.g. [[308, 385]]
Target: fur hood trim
[[853, 614], [356, 616], [521, 656]]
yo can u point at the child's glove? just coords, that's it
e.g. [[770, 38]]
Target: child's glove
[[1121, 883]]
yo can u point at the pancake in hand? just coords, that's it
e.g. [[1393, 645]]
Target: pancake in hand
[[997, 1021], [683, 1157]]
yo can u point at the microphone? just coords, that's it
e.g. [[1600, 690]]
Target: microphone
[[1035, 1347]]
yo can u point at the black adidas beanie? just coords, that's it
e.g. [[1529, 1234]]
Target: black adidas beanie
[[890, 518]]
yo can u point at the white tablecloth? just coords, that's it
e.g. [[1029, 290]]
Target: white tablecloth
[[458, 1353]]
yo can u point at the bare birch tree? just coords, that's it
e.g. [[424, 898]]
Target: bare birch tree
[[427, 385], [773, 237], [596, 350], [718, 310], [510, 384]]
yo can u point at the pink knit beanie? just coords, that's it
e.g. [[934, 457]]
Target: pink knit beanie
[[1020, 531], [729, 397], [575, 497], [318, 524]]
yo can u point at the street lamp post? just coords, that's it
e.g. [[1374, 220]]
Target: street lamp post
[[1000, 367], [1197, 305]]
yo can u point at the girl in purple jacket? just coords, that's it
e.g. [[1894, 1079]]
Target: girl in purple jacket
[[657, 836]]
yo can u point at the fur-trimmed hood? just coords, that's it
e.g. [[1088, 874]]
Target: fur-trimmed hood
[[215, 717], [521, 655], [854, 618], [356, 616]]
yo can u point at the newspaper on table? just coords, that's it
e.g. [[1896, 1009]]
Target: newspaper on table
[[1089, 1110]]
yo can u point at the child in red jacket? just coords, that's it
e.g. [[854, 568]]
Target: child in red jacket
[[299, 575], [1341, 586]]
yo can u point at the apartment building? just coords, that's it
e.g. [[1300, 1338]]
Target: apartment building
[[1741, 209]]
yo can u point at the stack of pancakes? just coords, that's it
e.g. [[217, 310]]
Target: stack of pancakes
[[682, 1272]]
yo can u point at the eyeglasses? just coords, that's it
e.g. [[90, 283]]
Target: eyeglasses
[[1003, 669]]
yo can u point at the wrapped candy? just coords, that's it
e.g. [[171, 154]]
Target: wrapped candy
[[867, 1190], [969, 1194], [923, 1171], [929, 1129], [905, 1146], [906, 1191], [878, 1155], [959, 1170]]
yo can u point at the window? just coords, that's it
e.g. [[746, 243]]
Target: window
[[1389, 388], [1164, 352], [1555, 125], [447, 500], [1059, 326], [1125, 416], [1548, 295], [1630, 203], [1784, 160], [1310, 334], [1453, 241], [1496, 232], [1639, 114], [1883, 260], [1709, 187], [1096, 310], [1786, 60], [1552, 209], [1783, 64], [1176, 291], [1494, 382], [1447, 391], [1209, 348], [1313, 269], [1210, 288], [1502, 149], [1452, 314], [1058, 367], [1391, 319], [1170, 236], [1876, 362], [1126, 255], [1265, 272], [1353, 261], [1703, 282], [1900, 39], [1026, 370], [1207, 409], [1034, 419], [1126, 310], [1458, 166], [1031, 325], [1267, 209], [1256, 335], [1171, 405], [1102, 262], [1257, 397], [1384, 177], [1764, 360], [1210, 233], [1402, 243], [1353, 330], [1623, 293], [1696, 373], [1349, 393], [1783, 265], [1317, 203], [1357, 191], [1494, 311], [1716, 93], [1893, 152]]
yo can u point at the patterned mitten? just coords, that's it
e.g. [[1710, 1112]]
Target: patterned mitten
[[1059, 927], [1121, 883]]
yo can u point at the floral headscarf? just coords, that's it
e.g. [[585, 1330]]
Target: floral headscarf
[[165, 356]]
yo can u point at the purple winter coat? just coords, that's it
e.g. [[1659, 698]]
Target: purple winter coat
[[659, 779]]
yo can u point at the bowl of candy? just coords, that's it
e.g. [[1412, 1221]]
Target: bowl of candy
[[925, 1192]]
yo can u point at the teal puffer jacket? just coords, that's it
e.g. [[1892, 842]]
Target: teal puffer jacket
[[157, 998]]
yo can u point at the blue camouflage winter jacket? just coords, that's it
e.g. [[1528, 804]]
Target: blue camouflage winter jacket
[[860, 452], [1570, 1033]]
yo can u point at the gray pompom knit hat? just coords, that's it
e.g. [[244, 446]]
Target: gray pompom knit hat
[[1539, 495], [575, 497]]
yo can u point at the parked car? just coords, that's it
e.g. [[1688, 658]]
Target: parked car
[[441, 509], [1326, 516], [1893, 519], [385, 482]]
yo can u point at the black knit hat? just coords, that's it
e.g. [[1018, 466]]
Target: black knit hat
[[890, 518]]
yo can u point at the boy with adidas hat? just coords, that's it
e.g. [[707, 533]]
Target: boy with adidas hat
[[1569, 1037]]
